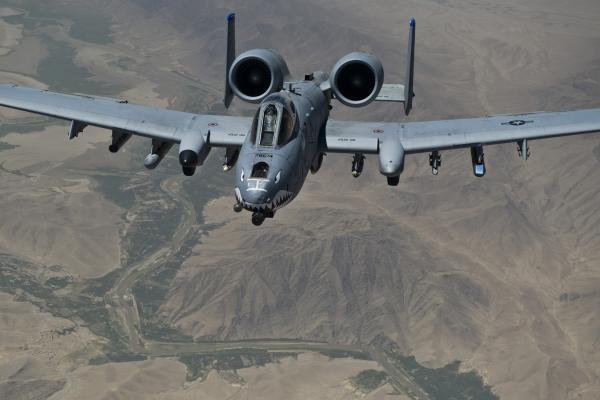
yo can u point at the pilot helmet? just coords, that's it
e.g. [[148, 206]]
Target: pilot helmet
[[270, 119]]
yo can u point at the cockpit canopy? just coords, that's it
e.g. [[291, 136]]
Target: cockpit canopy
[[274, 123]]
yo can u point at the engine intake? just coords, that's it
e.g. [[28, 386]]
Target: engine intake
[[356, 79], [256, 74]]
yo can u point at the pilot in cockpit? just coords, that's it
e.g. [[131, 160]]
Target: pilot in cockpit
[[269, 126]]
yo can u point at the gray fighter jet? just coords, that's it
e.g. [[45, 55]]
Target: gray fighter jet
[[292, 131]]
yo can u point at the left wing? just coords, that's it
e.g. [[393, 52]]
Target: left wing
[[118, 115], [416, 137]]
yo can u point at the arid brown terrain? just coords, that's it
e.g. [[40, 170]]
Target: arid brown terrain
[[117, 282]]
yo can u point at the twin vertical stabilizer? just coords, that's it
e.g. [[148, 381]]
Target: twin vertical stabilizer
[[403, 93], [410, 69], [389, 92], [230, 58]]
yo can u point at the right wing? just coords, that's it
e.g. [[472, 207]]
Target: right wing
[[118, 115], [416, 137], [438, 135]]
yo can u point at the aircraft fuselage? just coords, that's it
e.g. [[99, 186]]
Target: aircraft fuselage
[[281, 148]]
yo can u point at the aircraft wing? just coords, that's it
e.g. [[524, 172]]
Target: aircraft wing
[[119, 115], [415, 137]]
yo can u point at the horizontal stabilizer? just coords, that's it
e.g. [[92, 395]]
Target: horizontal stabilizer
[[391, 92]]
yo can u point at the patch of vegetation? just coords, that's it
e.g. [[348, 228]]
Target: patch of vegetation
[[86, 26], [111, 186], [60, 72], [37, 14], [358, 355], [30, 388], [14, 19], [199, 365], [16, 276], [55, 268], [37, 10], [445, 383], [98, 287], [19, 278], [7, 146], [154, 226], [59, 69], [157, 330], [58, 282], [65, 331], [97, 319], [90, 27], [157, 215], [369, 380], [123, 63], [151, 292], [25, 127], [211, 183], [110, 357]]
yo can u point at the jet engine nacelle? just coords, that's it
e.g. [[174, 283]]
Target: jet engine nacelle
[[193, 150], [256, 74], [391, 156], [356, 79]]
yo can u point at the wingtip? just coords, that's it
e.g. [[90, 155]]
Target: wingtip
[[413, 22], [230, 16]]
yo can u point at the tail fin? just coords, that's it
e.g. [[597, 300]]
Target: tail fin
[[410, 69], [230, 58], [403, 93]]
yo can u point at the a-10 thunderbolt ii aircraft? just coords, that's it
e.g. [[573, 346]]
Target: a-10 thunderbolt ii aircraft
[[292, 131]]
